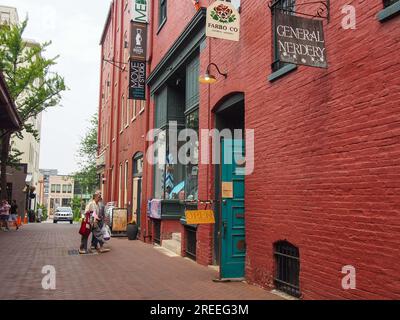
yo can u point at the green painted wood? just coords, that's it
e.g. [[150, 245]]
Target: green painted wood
[[233, 245]]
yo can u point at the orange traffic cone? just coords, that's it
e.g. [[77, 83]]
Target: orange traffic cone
[[26, 218], [19, 221]]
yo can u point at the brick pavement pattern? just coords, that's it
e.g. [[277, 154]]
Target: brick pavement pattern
[[131, 271]]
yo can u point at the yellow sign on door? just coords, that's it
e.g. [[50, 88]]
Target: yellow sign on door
[[200, 217]]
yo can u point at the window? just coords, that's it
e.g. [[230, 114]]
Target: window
[[391, 10], [287, 268], [388, 3], [192, 169], [123, 107], [287, 6], [126, 185], [133, 109], [162, 13], [58, 188], [64, 188], [53, 188], [66, 202], [69, 189], [120, 187], [127, 112]]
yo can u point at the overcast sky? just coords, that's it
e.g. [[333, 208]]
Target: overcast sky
[[75, 28]]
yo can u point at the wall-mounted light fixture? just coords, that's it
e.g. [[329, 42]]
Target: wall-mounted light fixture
[[208, 78]]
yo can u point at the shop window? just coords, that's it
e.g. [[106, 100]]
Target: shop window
[[287, 268], [192, 169], [162, 13], [286, 7], [169, 174]]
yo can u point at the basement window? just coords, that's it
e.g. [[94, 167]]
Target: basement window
[[287, 268], [391, 9]]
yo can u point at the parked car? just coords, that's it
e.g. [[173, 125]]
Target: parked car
[[63, 214]]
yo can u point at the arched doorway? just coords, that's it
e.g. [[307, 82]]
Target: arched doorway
[[230, 245]]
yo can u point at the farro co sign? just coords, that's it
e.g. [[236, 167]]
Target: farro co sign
[[223, 21], [300, 40], [141, 11]]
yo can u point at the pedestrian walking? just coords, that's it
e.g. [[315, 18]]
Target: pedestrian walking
[[4, 215], [97, 230], [14, 214]]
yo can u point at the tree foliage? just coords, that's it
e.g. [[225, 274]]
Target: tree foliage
[[32, 84], [87, 176]]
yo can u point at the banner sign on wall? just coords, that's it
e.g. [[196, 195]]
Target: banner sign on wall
[[138, 41], [300, 40], [223, 21], [137, 80], [141, 11]]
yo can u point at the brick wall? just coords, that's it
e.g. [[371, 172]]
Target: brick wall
[[327, 144]]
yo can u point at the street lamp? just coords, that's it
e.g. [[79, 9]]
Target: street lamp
[[208, 78]]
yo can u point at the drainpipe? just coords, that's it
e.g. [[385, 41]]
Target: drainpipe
[[147, 167]]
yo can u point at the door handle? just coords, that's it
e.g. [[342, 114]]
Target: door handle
[[224, 229]]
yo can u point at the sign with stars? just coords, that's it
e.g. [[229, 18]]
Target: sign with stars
[[300, 40]]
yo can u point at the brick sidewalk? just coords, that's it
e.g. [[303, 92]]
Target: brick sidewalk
[[131, 271]]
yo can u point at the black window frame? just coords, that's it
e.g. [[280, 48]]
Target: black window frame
[[388, 3], [288, 7], [162, 13]]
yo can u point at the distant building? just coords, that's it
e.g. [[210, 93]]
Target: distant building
[[61, 192], [44, 184], [29, 146]]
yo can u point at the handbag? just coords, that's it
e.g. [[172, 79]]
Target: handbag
[[85, 226]]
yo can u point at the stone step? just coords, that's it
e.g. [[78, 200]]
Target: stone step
[[172, 245], [177, 237]]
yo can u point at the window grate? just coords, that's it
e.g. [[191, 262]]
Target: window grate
[[157, 231], [287, 268], [191, 242]]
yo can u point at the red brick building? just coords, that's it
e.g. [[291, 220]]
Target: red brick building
[[324, 193]]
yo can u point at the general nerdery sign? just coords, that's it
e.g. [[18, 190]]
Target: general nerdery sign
[[300, 40], [141, 11]]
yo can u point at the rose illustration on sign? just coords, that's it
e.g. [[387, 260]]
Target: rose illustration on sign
[[223, 14]]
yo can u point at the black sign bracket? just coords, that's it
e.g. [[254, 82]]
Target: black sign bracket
[[318, 9]]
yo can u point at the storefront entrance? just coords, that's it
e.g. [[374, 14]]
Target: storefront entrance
[[230, 245]]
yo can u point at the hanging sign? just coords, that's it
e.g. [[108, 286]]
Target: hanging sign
[[200, 217], [138, 41], [141, 11], [300, 40], [137, 80], [223, 21]]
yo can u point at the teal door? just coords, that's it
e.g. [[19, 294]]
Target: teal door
[[233, 245]]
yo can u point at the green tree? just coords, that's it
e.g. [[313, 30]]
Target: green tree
[[32, 85], [87, 176]]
